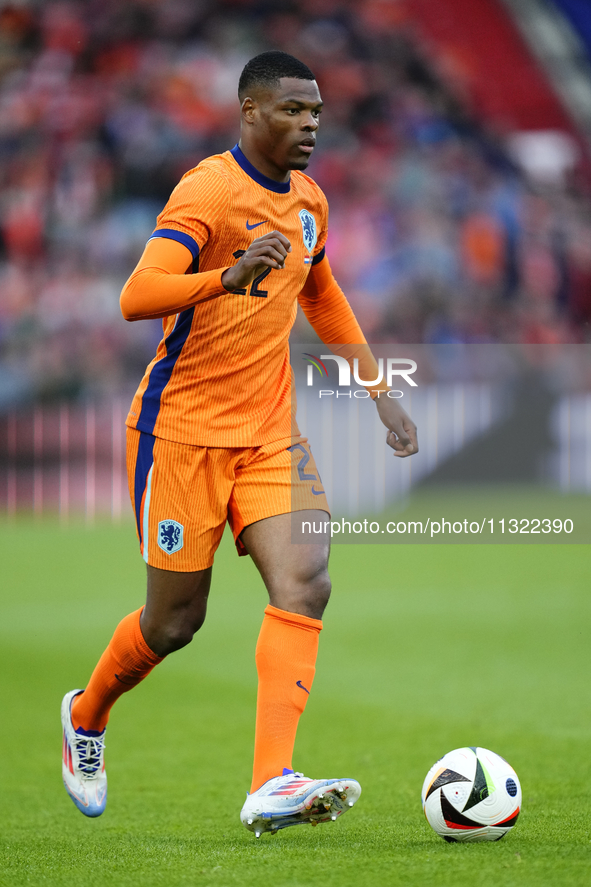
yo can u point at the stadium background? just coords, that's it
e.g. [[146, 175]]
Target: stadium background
[[455, 156], [436, 233]]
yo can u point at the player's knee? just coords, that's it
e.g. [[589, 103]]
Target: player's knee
[[176, 637], [314, 592], [321, 588], [176, 634], [304, 590]]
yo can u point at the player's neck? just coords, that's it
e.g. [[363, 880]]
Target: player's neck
[[263, 164]]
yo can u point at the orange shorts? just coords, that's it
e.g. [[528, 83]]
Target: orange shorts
[[183, 495]]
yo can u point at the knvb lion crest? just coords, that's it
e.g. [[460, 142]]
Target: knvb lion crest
[[309, 229], [170, 536]]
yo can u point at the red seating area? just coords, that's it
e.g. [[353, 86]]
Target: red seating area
[[482, 51]]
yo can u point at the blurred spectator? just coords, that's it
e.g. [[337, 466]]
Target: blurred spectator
[[434, 234]]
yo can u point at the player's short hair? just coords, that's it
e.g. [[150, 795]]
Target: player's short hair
[[267, 68]]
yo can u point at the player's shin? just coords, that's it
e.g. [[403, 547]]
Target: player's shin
[[286, 659], [126, 661]]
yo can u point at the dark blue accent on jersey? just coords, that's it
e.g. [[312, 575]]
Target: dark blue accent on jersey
[[259, 178], [144, 461], [319, 257], [162, 371], [180, 237]]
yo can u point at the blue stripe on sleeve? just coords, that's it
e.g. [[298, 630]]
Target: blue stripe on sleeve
[[319, 257], [180, 237]]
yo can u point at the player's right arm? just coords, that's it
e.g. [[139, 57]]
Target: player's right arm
[[161, 285]]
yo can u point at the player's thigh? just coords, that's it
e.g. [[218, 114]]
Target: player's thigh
[[277, 479], [295, 573]]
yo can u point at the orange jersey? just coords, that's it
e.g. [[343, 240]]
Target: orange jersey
[[221, 376]]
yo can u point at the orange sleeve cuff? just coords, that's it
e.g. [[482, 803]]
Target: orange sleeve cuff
[[161, 285], [326, 307]]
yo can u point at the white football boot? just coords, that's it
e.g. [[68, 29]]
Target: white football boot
[[83, 763], [292, 799]]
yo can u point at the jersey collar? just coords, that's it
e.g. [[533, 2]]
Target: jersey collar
[[250, 170]]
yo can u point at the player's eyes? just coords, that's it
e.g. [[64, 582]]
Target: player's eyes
[[293, 111]]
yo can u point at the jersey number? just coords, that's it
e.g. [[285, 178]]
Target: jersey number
[[254, 287]]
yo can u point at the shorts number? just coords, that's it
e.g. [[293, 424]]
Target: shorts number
[[302, 463]]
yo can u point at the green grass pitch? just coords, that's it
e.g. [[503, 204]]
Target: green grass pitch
[[424, 649]]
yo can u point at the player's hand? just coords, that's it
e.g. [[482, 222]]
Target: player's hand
[[268, 251], [402, 433]]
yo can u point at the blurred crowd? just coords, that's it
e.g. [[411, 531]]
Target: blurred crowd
[[435, 235]]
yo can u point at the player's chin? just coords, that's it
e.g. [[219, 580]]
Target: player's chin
[[300, 162]]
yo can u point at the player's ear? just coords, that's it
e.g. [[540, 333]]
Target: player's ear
[[248, 109]]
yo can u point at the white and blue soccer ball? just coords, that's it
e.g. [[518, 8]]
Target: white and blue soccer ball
[[471, 794]]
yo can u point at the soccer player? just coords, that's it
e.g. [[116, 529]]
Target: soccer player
[[211, 437]]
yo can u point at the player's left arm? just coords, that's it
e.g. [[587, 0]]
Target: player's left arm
[[326, 307]]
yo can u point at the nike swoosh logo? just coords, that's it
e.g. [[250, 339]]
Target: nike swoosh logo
[[317, 492], [256, 224], [127, 683], [301, 686]]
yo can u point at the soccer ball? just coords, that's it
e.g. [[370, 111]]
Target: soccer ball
[[471, 794]]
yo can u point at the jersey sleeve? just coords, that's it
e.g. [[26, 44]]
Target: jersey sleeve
[[326, 307], [195, 209], [160, 285]]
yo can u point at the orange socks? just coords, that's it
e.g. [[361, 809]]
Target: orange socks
[[286, 659], [126, 661]]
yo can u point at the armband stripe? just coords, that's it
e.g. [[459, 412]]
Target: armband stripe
[[319, 257], [180, 237]]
